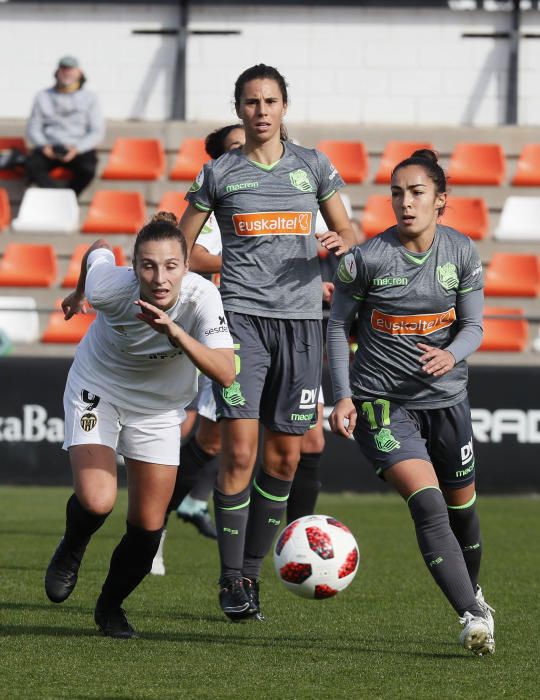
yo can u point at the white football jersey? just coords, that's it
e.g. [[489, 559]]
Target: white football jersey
[[124, 360]]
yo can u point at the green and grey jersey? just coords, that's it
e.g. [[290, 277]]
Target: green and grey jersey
[[267, 215], [403, 299]]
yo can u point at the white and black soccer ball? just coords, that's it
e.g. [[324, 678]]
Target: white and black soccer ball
[[316, 556]]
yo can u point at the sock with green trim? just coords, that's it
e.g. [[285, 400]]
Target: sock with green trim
[[465, 525], [268, 505], [305, 487], [441, 550], [231, 513]]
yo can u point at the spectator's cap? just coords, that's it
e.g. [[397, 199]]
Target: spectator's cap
[[68, 62]]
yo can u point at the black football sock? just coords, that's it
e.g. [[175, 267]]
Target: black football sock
[[266, 511], [465, 525], [441, 550], [192, 460], [231, 513], [206, 480], [305, 487], [130, 562], [80, 525]]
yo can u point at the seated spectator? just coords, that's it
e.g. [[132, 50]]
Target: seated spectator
[[65, 127]]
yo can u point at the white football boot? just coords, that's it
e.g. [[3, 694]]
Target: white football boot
[[476, 635]]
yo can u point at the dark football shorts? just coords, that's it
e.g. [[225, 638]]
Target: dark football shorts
[[387, 434], [278, 372]]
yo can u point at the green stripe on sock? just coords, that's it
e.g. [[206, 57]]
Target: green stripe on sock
[[465, 505], [279, 499], [242, 505], [422, 489]]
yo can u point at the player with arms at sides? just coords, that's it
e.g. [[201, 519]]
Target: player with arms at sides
[[265, 197], [132, 375], [418, 291], [199, 455]]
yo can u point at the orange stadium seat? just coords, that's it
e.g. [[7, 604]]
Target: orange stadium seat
[[468, 215], [59, 330], [349, 157], [378, 215], [74, 267], [28, 265], [477, 164], [113, 211], [5, 209], [513, 275], [528, 167], [190, 158], [394, 152], [504, 334], [135, 159], [173, 202], [8, 142]]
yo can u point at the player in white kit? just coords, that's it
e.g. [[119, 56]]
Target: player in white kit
[[132, 376]]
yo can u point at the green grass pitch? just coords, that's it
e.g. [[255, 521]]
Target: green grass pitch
[[390, 635]]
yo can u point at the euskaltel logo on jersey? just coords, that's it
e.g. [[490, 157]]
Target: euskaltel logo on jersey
[[414, 324], [273, 223]]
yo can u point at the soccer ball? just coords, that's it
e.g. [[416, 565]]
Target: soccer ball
[[316, 556]]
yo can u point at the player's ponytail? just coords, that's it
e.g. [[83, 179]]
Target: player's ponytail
[[162, 226], [429, 161]]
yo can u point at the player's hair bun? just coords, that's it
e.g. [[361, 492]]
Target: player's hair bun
[[426, 154], [166, 217]]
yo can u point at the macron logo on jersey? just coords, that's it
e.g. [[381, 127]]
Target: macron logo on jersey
[[273, 223], [420, 324]]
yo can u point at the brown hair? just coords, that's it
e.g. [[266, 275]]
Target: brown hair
[[162, 226], [262, 72]]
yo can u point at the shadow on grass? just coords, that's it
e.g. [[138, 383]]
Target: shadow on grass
[[46, 606], [303, 643]]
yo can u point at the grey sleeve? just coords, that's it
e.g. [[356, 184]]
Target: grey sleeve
[[96, 128], [34, 127], [469, 336], [344, 308]]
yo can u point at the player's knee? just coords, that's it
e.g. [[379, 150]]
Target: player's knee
[[313, 442], [238, 459], [211, 444], [97, 503], [427, 506]]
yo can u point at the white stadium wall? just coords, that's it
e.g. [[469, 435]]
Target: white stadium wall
[[343, 64]]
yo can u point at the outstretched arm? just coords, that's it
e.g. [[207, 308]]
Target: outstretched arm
[[216, 363]]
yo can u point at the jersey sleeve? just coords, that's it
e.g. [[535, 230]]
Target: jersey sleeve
[[351, 276], [471, 278], [330, 180], [100, 278], [210, 236], [202, 193], [211, 328]]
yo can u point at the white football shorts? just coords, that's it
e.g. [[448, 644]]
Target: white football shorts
[[91, 420]]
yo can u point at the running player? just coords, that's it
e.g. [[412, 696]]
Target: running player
[[132, 376], [417, 289], [265, 197]]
